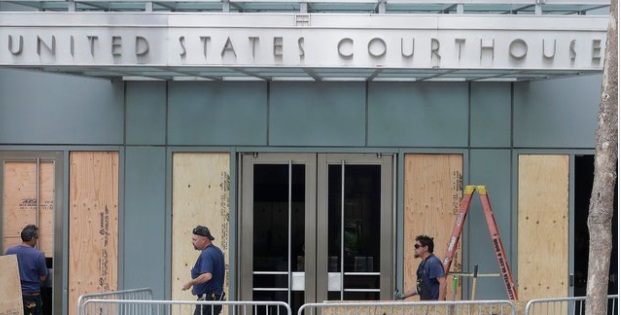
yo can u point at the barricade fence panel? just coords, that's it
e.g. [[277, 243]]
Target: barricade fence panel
[[410, 308], [566, 306], [162, 307], [132, 294]]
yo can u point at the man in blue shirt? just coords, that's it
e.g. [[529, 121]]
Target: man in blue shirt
[[32, 269], [208, 272], [431, 281]]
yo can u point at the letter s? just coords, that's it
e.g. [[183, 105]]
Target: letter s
[[181, 42]]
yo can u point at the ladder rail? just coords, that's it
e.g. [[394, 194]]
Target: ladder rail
[[499, 249], [464, 206]]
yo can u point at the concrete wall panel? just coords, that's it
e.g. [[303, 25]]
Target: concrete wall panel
[[43, 108], [317, 114], [217, 113], [145, 219], [491, 168], [146, 113], [490, 115], [556, 113], [418, 114]]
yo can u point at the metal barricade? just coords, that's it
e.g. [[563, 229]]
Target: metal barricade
[[566, 306], [162, 307], [133, 294], [411, 308]]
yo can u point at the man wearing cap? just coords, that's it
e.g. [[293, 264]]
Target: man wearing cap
[[208, 272], [32, 269]]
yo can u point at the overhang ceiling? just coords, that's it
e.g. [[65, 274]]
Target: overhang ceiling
[[133, 73], [325, 6]]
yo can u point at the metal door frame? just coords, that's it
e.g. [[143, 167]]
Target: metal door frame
[[39, 157], [246, 218], [316, 217], [386, 225]]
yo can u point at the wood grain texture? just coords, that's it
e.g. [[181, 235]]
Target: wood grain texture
[[432, 192], [10, 287], [20, 203], [543, 219], [93, 224], [201, 189], [416, 309]]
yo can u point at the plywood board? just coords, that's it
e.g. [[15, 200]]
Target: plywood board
[[201, 188], [416, 309], [20, 202], [93, 223], [432, 192], [10, 287], [543, 216]]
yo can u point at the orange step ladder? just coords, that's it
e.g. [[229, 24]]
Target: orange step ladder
[[505, 271]]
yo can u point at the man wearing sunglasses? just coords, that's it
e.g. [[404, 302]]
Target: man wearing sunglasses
[[431, 281], [208, 272]]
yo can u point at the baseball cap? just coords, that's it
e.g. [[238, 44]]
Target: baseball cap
[[203, 231]]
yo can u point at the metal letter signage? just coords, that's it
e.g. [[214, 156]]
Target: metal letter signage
[[273, 40]]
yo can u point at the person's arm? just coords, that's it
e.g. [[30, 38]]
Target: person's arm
[[43, 272], [204, 277], [410, 293], [442, 292]]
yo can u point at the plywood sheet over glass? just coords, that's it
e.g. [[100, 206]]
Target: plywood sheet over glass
[[23, 204], [93, 223], [200, 196], [543, 219], [10, 288], [432, 192]]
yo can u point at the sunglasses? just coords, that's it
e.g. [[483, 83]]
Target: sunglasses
[[417, 246]]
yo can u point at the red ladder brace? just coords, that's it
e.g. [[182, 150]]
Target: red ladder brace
[[464, 206]]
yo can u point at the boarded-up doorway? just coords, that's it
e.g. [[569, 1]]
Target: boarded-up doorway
[[543, 219], [200, 196], [93, 224], [432, 192]]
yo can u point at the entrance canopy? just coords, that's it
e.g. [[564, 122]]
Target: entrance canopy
[[395, 41]]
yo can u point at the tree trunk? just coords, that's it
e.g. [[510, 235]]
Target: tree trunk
[[602, 197]]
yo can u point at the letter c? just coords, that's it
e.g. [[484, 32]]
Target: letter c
[[345, 55]]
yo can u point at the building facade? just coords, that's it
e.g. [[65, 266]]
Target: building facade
[[316, 141]]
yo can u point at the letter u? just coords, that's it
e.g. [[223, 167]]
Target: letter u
[[19, 49]]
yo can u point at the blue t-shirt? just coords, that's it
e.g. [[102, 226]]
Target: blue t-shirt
[[210, 260], [31, 264], [428, 272]]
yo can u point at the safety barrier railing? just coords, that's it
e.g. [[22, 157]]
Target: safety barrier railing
[[566, 306], [410, 308], [161, 307], [132, 294]]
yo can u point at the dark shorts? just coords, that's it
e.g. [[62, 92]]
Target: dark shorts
[[33, 304], [209, 309]]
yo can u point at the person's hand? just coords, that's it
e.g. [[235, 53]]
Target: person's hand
[[186, 286], [399, 296]]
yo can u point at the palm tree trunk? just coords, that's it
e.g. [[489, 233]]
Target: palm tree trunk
[[602, 197]]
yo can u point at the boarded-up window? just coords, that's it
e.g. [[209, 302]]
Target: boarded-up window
[[28, 198]]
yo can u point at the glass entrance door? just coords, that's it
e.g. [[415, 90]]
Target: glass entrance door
[[316, 227]]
